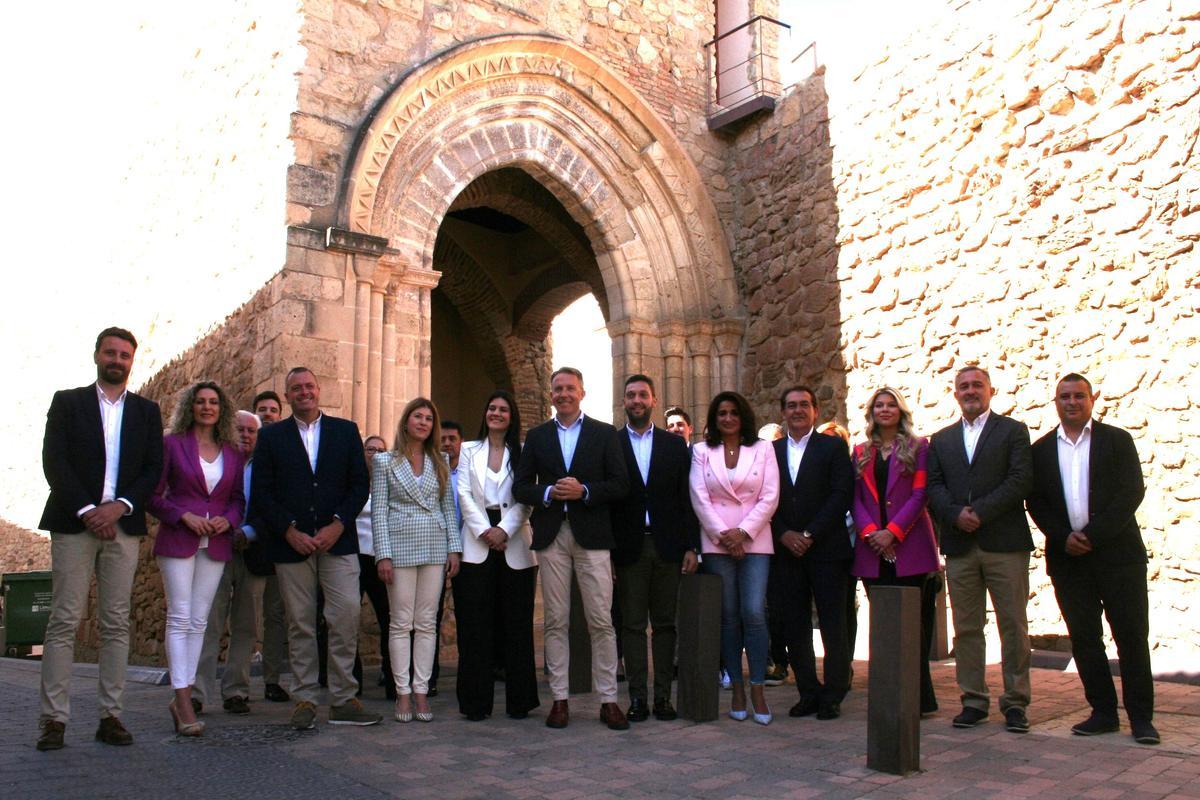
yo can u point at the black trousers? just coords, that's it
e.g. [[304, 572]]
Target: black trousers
[[1086, 590], [478, 590], [376, 592], [929, 586], [801, 583]]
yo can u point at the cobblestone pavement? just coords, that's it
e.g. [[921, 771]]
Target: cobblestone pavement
[[259, 756]]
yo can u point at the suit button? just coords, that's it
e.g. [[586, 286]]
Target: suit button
[[505, 505], [314, 484]]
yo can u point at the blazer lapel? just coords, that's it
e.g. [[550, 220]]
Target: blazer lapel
[[715, 457], [894, 468], [301, 453], [988, 427], [410, 482], [323, 444], [868, 474], [1060, 491], [785, 473], [191, 457], [479, 466], [635, 474], [91, 410]]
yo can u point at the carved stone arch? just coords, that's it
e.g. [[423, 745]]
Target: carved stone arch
[[540, 104]]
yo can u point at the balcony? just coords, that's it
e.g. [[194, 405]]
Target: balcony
[[743, 69]]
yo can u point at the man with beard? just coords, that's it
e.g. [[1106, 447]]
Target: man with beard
[[103, 456], [657, 538], [571, 472]]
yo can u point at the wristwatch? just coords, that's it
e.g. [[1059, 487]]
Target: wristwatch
[[806, 534]]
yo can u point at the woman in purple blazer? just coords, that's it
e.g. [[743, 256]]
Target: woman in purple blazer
[[896, 544], [199, 502]]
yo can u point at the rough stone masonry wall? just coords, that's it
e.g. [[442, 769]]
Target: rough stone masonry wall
[[1015, 185]]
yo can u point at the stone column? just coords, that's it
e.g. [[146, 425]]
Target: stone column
[[412, 329], [728, 346], [675, 389], [700, 355], [375, 354], [387, 395], [364, 271]]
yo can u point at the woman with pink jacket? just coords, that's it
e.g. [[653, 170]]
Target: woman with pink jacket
[[896, 544], [199, 502], [734, 485]]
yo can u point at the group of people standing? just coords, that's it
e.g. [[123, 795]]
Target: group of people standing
[[784, 524]]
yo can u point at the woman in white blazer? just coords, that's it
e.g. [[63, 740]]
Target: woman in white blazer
[[735, 489], [498, 576], [417, 546]]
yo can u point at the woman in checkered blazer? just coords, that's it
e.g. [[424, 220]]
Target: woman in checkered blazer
[[417, 545]]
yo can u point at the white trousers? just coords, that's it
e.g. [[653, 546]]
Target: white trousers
[[190, 585], [413, 598]]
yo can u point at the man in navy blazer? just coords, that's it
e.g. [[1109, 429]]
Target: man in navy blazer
[[980, 473], [1087, 484], [308, 485], [102, 455], [571, 471], [812, 552], [657, 539]]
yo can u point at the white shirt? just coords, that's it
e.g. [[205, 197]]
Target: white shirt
[[642, 444], [795, 452], [310, 435], [111, 415], [1074, 460], [568, 438], [971, 431], [491, 489], [362, 524], [212, 476], [247, 529]]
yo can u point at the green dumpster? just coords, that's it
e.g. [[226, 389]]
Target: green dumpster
[[27, 598]]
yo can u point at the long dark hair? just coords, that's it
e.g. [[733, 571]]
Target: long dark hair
[[512, 436], [749, 432]]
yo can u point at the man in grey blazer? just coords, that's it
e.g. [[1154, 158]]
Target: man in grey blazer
[[980, 472]]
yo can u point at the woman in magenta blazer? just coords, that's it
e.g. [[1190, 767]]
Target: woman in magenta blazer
[[735, 489], [896, 544], [199, 502]]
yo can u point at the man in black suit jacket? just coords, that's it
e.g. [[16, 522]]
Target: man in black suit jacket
[[309, 482], [812, 552], [657, 539], [103, 456], [571, 471], [980, 473], [1087, 484]]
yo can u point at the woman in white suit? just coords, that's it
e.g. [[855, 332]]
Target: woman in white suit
[[417, 545], [735, 489], [498, 574]]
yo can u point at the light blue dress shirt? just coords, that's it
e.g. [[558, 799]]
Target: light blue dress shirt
[[568, 438]]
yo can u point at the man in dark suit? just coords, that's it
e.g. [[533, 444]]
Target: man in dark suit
[[1087, 484], [980, 473], [103, 456], [571, 471], [657, 539], [812, 552], [308, 485], [268, 407]]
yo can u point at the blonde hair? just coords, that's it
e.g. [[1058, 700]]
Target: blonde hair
[[906, 444], [430, 447]]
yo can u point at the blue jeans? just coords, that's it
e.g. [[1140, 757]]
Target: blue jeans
[[743, 612]]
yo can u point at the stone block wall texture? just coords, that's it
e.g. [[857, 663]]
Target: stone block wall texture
[[1017, 186]]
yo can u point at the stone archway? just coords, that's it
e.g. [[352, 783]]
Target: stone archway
[[542, 105]]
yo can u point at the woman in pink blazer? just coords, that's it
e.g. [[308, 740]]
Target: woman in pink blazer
[[735, 489], [199, 502], [896, 544]]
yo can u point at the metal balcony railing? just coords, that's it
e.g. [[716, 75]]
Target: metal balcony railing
[[743, 70]]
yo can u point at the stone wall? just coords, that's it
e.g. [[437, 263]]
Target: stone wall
[[1016, 186], [22, 550], [357, 51]]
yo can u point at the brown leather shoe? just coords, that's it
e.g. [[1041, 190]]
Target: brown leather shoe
[[610, 715], [559, 716], [111, 731], [52, 735]]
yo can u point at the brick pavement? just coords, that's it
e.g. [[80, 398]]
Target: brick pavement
[[260, 757]]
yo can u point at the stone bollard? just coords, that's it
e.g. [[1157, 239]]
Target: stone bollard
[[894, 683], [699, 631], [579, 670]]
